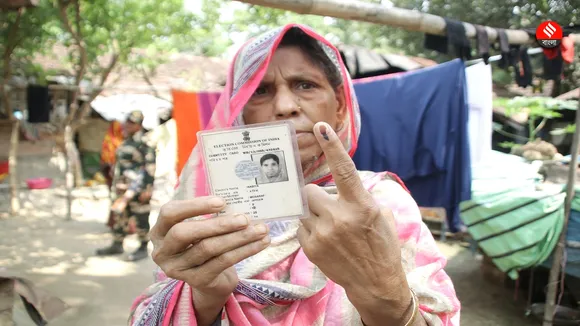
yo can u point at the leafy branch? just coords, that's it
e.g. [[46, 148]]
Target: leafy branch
[[539, 109]]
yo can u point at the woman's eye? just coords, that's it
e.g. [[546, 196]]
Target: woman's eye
[[260, 91], [305, 85]]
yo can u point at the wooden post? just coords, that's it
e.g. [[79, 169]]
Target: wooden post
[[556, 270], [410, 20], [13, 168], [69, 176]]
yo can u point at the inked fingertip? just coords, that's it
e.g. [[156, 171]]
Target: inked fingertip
[[324, 129]]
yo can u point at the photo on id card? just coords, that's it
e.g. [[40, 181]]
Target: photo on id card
[[256, 169]]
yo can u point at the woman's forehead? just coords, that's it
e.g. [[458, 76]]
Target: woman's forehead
[[292, 63]]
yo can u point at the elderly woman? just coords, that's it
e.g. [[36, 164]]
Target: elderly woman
[[363, 257]]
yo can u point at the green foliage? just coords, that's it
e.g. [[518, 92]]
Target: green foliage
[[23, 38], [111, 30], [502, 77], [545, 107], [569, 129], [538, 109], [508, 144]]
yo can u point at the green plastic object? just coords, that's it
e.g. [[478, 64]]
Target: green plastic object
[[513, 218]]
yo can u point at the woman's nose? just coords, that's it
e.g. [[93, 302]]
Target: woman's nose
[[285, 104]]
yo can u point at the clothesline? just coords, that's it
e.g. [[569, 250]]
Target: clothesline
[[498, 57], [410, 20]]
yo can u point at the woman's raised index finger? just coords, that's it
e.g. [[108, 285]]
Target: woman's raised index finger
[[340, 163], [178, 210]]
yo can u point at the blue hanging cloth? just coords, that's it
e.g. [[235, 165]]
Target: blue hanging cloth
[[415, 125]]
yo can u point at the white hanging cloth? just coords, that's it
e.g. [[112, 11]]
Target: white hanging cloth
[[480, 101]]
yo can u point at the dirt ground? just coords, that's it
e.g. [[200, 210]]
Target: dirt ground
[[58, 255]]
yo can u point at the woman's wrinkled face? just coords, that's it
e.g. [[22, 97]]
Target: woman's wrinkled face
[[295, 89]]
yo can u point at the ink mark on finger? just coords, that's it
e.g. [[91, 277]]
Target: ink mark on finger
[[322, 130]]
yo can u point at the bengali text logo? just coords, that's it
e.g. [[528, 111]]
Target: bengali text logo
[[549, 34]]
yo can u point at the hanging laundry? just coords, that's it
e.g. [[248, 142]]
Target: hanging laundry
[[482, 43], [552, 53], [188, 123], [415, 125], [437, 43], [38, 102], [504, 48], [523, 69], [554, 58], [480, 100], [454, 35], [554, 66], [567, 48]]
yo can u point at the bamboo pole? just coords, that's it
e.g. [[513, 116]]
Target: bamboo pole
[[556, 270], [410, 20], [13, 168]]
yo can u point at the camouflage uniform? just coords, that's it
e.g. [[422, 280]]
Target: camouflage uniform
[[135, 172]]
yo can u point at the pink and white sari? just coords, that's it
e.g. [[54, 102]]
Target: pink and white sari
[[280, 286]]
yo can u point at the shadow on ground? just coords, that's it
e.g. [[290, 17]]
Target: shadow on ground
[[484, 303]]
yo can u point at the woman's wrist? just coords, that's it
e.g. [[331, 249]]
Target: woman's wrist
[[392, 305], [207, 307]]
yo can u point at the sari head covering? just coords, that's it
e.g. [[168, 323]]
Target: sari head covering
[[280, 286], [246, 72]]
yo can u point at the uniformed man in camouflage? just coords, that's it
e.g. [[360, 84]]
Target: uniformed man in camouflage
[[132, 188]]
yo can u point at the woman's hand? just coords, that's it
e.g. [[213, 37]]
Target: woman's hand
[[203, 252], [353, 242]]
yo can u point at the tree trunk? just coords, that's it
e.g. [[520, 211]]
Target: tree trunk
[[69, 176], [79, 42], [13, 168], [410, 20], [10, 45], [75, 158]]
